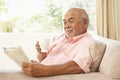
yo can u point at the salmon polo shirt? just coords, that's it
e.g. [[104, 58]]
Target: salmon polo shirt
[[62, 50]]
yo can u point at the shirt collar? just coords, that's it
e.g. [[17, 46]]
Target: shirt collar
[[76, 38]]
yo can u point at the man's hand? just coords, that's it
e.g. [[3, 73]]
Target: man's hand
[[36, 69], [41, 55], [38, 48]]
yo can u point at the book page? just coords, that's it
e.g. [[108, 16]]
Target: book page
[[17, 55]]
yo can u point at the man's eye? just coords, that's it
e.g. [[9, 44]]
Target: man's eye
[[72, 21]]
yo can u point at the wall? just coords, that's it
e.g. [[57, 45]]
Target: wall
[[25, 40]]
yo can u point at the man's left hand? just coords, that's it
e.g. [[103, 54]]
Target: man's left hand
[[34, 69]]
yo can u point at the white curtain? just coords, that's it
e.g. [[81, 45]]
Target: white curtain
[[108, 17]]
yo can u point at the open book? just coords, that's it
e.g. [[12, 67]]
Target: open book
[[17, 55]]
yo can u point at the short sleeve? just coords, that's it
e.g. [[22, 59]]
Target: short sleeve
[[83, 58]]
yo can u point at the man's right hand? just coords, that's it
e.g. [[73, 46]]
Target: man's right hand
[[38, 48], [41, 55]]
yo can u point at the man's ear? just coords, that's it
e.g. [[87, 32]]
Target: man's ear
[[86, 22]]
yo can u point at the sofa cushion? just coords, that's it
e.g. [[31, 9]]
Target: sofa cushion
[[97, 49], [110, 64], [22, 76]]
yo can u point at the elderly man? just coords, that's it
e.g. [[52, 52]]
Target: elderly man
[[67, 53]]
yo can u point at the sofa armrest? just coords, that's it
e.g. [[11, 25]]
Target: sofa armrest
[[110, 64]]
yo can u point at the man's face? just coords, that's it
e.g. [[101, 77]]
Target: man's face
[[73, 24]]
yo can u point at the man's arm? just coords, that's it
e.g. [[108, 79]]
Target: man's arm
[[41, 55], [43, 70], [68, 68]]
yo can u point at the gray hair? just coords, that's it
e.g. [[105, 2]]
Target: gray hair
[[85, 16]]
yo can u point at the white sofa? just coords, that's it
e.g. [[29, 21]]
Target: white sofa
[[109, 68]]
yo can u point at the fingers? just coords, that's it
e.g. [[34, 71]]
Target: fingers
[[27, 67], [37, 44], [24, 64], [38, 47], [34, 62], [33, 69]]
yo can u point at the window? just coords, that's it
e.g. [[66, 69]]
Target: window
[[40, 15]]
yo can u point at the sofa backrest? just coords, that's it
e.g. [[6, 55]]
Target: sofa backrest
[[110, 64], [97, 49]]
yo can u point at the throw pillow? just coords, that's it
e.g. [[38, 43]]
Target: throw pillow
[[97, 49]]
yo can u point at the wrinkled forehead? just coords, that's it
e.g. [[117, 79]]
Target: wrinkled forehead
[[74, 13]]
